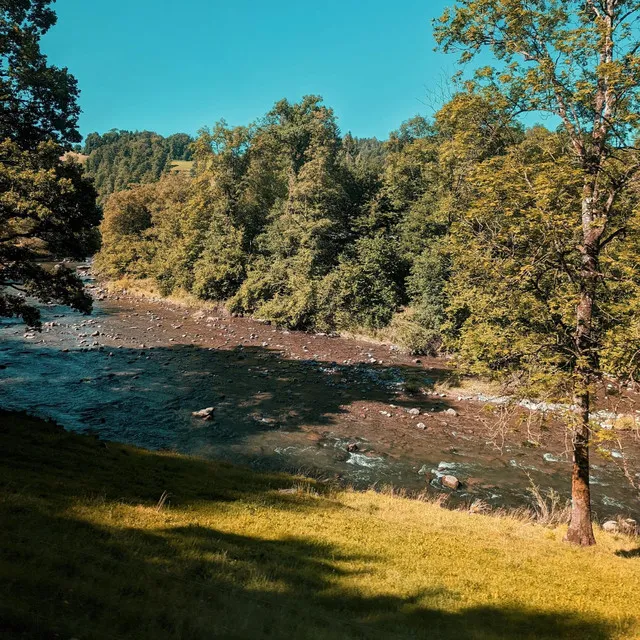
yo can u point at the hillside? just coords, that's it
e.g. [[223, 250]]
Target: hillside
[[118, 159], [107, 541]]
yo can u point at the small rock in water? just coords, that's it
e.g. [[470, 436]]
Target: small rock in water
[[351, 447], [424, 469], [450, 482], [205, 414]]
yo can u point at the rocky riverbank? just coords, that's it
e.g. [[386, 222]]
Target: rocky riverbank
[[358, 412]]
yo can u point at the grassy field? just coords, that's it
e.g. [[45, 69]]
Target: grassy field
[[182, 166], [90, 550]]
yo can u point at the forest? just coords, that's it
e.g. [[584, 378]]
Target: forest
[[456, 235], [118, 159]]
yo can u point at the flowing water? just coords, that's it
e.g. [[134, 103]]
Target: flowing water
[[135, 371]]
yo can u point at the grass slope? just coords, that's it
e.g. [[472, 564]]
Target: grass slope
[[85, 553], [182, 166]]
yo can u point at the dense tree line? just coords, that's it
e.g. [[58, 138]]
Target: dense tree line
[[291, 222], [118, 159], [287, 220]]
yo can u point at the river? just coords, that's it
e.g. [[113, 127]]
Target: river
[[136, 370]]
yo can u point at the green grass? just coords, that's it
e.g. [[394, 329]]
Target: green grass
[[182, 166], [86, 553]]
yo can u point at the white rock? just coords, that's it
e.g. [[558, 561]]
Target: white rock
[[203, 413]]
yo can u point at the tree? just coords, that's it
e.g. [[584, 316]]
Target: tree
[[306, 223], [47, 206], [577, 60], [119, 159]]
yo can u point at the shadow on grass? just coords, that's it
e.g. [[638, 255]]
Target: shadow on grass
[[630, 553], [71, 567]]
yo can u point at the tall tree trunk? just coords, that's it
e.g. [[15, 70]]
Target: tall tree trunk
[[580, 528]]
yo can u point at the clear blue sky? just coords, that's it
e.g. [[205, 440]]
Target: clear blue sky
[[178, 65]]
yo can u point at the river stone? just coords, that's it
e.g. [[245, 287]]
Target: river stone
[[421, 425], [450, 482], [611, 526], [451, 412], [414, 412], [203, 413]]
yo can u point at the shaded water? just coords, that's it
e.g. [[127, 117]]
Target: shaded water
[[135, 371]]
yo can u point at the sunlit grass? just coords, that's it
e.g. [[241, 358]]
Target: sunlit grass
[[182, 166], [89, 550]]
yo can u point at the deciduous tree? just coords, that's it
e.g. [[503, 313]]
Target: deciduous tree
[[47, 206], [578, 61]]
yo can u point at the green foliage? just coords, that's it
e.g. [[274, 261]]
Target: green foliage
[[47, 206], [365, 289], [119, 159], [544, 253], [288, 221]]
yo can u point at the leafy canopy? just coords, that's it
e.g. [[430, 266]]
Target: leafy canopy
[[47, 206]]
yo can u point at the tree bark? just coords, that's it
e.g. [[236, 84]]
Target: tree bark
[[580, 528]]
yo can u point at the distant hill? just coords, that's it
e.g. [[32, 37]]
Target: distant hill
[[118, 159]]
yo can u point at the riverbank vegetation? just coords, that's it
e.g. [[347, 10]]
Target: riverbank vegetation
[[514, 247], [117, 542], [287, 220]]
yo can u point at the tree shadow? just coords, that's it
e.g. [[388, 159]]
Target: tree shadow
[[628, 553], [85, 553], [146, 396], [199, 582]]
